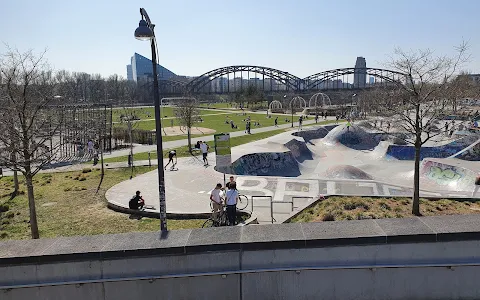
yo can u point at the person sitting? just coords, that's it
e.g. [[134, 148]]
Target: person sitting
[[136, 202]]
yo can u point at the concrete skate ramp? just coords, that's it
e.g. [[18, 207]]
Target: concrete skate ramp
[[448, 174], [267, 164], [471, 152], [355, 137], [314, 133], [299, 150], [444, 151], [346, 172]]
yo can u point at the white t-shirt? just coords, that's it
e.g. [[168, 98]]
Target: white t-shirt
[[204, 148], [216, 195], [231, 197]]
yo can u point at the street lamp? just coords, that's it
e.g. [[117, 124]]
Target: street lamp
[[145, 32]]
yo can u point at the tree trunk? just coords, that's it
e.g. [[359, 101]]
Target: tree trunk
[[15, 184], [31, 205], [131, 148], [189, 138], [102, 168]]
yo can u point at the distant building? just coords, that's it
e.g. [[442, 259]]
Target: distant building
[[360, 74], [475, 78], [129, 72], [141, 69]]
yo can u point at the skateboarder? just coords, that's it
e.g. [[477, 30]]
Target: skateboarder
[[171, 155]]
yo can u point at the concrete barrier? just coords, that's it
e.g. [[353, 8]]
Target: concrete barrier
[[417, 258]]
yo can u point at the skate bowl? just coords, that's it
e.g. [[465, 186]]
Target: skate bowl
[[315, 133], [449, 150], [346, 172], [267, 164], [355, 137], [299, 150], [448, 174]]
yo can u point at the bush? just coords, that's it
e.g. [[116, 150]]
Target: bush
[[82, 178], [4, 208], [355, 205], [5, 222], [328, 217], [9, 215], [3, 235], [86, 170]]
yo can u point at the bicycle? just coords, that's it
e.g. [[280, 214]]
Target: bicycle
[[216, 221], [242, 202]]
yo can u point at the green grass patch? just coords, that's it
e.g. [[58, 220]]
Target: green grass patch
[[67, 206], [358, 208]]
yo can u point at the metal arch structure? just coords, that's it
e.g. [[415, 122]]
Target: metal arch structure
[[314, 100], [171, 86], [298, 102], [389, 76], [275, 104], [291, 82]]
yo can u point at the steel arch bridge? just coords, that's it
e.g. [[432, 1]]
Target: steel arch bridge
[[291, 82], [317, 81]]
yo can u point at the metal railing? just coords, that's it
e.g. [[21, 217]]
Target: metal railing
[[271, 205]]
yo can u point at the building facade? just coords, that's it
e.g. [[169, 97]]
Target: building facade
[[360, 74], [140, 68]]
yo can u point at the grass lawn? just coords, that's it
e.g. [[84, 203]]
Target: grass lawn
[[183, 151], [217, 122], [149, 112], [356, 208], [67, 205]]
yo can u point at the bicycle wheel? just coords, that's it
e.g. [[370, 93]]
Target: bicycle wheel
[[208, 223], [242, 202]]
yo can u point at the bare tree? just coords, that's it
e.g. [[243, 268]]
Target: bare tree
[[188, 114], [26, 123], [413, 105], [128, 113]]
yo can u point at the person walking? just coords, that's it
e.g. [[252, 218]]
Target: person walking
[[276, 122], [231, 199], [300, 120], [316, 118], [204, 148]]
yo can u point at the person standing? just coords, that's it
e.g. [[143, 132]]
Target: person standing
[[316, 118], [231, 199], [477, 185], [232, 180], [300, 120], [204, 148], [276, 122], [90, 147], [216, 197]]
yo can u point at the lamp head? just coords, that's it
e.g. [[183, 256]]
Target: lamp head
[[143, 32]]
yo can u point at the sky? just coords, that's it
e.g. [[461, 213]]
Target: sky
[[301, 37]]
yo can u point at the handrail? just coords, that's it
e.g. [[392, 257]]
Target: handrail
[[152, 278]]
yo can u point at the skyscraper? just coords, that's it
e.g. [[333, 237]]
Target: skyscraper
[[141, 69], [360, 73]]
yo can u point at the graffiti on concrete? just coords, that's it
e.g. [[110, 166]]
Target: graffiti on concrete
[[443, 176], [283, 189], [268, 164]]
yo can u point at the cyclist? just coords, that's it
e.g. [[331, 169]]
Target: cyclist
[[171, 155]]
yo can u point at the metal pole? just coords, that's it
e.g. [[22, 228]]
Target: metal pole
[[158, 131]]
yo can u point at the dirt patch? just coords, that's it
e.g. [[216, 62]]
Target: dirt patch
[[177, 130]]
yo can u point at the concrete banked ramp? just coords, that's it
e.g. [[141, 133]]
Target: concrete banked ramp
[[449, 150], [347, 172], [355, 137], [267, 164], [448, 174]]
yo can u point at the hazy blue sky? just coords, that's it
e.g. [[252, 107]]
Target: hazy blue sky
[[302, 37]]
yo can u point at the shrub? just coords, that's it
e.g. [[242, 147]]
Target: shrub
[[67, 189], [3, 235], [4, 208], [9, 215], [86, 170], [354, 205], [385, 206], [82, 178], [5, 222], [328, 217]]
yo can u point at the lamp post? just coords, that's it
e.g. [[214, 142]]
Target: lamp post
[[145, 32]]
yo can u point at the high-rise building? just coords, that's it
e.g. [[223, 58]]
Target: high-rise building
[[129, 72], [360, 74], [141, 69]]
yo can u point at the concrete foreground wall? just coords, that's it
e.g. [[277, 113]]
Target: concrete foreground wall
[[419, 258]]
